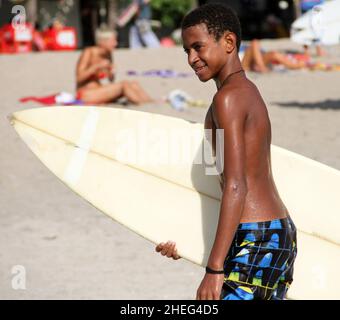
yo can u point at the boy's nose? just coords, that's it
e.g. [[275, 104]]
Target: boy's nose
[[192, 59]]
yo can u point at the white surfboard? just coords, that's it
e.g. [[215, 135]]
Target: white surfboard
[[320, 24], [144, 171]]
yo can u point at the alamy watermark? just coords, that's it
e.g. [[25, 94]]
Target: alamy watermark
[[18, 277], [144, 145], [19, 20], [319, 277]]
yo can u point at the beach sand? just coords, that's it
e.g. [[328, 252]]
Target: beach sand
[[72, 251]]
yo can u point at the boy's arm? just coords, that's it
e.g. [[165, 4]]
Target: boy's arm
[[231, 118]]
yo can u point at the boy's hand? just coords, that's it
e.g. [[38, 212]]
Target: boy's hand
[[211, 287], [168, 249]]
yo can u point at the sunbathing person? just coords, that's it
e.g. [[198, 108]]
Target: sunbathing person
[[258, 60], [95, 75]]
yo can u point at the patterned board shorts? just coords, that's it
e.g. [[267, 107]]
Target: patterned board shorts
[[259, 264]]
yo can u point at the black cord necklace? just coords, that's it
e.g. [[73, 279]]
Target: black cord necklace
[[229, 75]]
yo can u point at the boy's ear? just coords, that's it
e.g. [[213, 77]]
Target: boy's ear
[[230, 41]]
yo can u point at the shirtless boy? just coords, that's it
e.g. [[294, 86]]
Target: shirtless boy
[[255, 244], [95, 75]]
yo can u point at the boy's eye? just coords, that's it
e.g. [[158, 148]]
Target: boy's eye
[[186, 51], [197, 47]]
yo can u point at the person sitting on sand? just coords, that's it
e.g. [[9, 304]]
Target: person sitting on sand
[[256, 59], [95, 75]]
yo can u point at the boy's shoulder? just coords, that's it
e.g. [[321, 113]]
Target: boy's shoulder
[[241, 90], [235, 96]]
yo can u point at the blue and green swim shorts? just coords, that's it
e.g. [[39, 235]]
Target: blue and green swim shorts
[[259, 264]]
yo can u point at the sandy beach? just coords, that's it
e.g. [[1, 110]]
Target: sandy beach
[[71, 250]]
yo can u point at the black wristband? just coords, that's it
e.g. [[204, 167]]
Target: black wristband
[[211, 271]]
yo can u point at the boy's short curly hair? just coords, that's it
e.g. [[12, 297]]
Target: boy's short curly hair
[[218, 18]]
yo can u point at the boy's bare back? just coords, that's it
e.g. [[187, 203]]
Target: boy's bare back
[[239, 104]]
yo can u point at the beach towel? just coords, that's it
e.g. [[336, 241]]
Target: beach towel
[[160, 73], [61, 98]]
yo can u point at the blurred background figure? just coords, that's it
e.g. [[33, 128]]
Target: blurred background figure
[[315, 22], [141, 34], [309, 4], [95, 74], [259, 18], [254, 58]]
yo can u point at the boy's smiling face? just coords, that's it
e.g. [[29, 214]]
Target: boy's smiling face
[[206, 55]]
